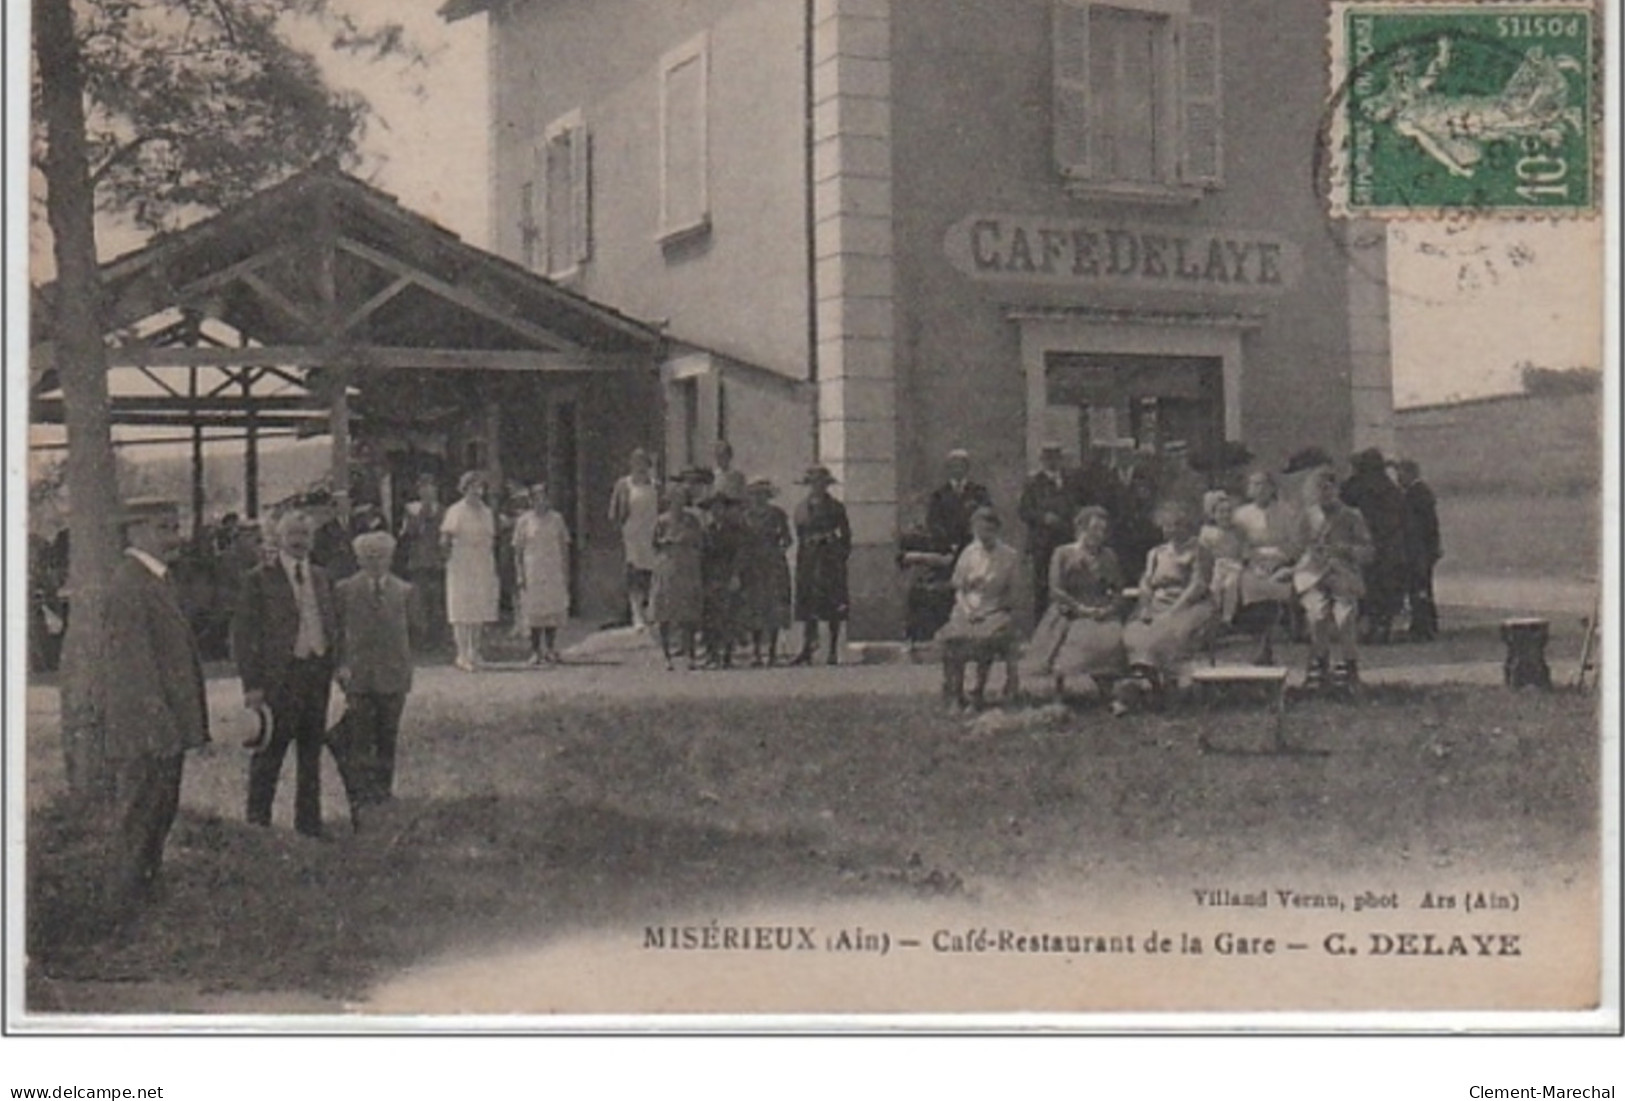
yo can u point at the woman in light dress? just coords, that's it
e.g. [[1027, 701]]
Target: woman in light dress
[[634, 506], [676, 600], [1268, 527], [1176, 608], [468, 540], [1225, 544], [541, 546], [1081, 632], [981, 628], [1269, 533]]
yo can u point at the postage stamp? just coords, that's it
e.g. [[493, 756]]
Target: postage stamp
[[1487, 108]]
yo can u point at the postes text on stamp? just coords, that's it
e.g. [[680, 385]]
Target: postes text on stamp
[[1462, 108]]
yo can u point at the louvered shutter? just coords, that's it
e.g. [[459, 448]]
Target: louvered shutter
[[539, 202], [1201, 146], [1070, 39], [581, 192]]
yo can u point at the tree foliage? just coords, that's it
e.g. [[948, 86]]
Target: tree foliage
[[194, 105]]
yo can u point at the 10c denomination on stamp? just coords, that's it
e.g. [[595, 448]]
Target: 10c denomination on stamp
[[1441, 108]]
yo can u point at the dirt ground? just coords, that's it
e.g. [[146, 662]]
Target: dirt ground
[[541, 808]]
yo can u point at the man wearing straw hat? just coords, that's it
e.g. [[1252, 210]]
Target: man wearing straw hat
[[153, 705], [282, 642]]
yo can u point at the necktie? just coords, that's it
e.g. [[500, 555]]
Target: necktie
[[378, 590], [299, 573]]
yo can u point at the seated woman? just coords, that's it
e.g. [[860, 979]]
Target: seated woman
[[1269, 535], [981, 628], [1175, 609], [1081, 634], [1268, 526], [1224, 543]]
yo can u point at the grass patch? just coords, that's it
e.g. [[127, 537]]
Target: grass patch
[[543, 821]]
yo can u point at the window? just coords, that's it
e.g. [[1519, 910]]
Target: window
[[684, 186], [688, 392], [555, 207], [1136, 99]]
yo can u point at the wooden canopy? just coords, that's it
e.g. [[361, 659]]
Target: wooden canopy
[[272, 311]]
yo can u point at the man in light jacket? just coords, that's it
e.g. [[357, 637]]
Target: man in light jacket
[[378, 620]]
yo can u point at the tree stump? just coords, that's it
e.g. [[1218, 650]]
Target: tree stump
[[1525, 665]]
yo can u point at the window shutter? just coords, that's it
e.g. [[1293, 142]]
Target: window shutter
[[1202, 134], [540, 200], [1070, 38], [581, 191]]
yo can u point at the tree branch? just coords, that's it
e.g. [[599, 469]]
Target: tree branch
[[125, 152], [225, 22]]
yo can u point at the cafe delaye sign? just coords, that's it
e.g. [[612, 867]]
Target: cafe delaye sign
[[1025, 248]]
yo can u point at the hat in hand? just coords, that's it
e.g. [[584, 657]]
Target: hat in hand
[[264, 726]]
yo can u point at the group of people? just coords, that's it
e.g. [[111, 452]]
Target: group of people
[[1128, 618], [462, 542], [708, 568], [707, 563], [294, 636]]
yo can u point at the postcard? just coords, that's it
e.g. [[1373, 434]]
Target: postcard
[[854, 514]]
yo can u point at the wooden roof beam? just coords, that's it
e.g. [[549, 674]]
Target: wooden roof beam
[[459, 296], [273, 359], [372, 305], [284, 305], [163, 403]]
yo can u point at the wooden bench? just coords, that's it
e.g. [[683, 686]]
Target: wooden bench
[[1211, 682]]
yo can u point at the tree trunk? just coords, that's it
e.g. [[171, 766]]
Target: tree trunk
[[81, 363]]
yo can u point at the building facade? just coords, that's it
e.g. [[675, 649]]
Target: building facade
[[876, 230]]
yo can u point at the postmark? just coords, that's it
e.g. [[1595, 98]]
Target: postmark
[[1444, 109]]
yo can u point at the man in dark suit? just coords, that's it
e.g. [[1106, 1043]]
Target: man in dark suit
[[930, 554], [377, 615], [330, 541], [1382, 503], [422, 562], [1050, 499], [1423, 549], [281, 639], [949, 509], [152, 697], [1130, 492]]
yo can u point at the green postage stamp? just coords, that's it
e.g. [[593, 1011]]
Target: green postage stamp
[[1440, 107]]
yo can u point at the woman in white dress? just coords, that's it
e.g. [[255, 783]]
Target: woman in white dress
[[541, 544], [468, 540], [1226, 545], [633, 508]]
